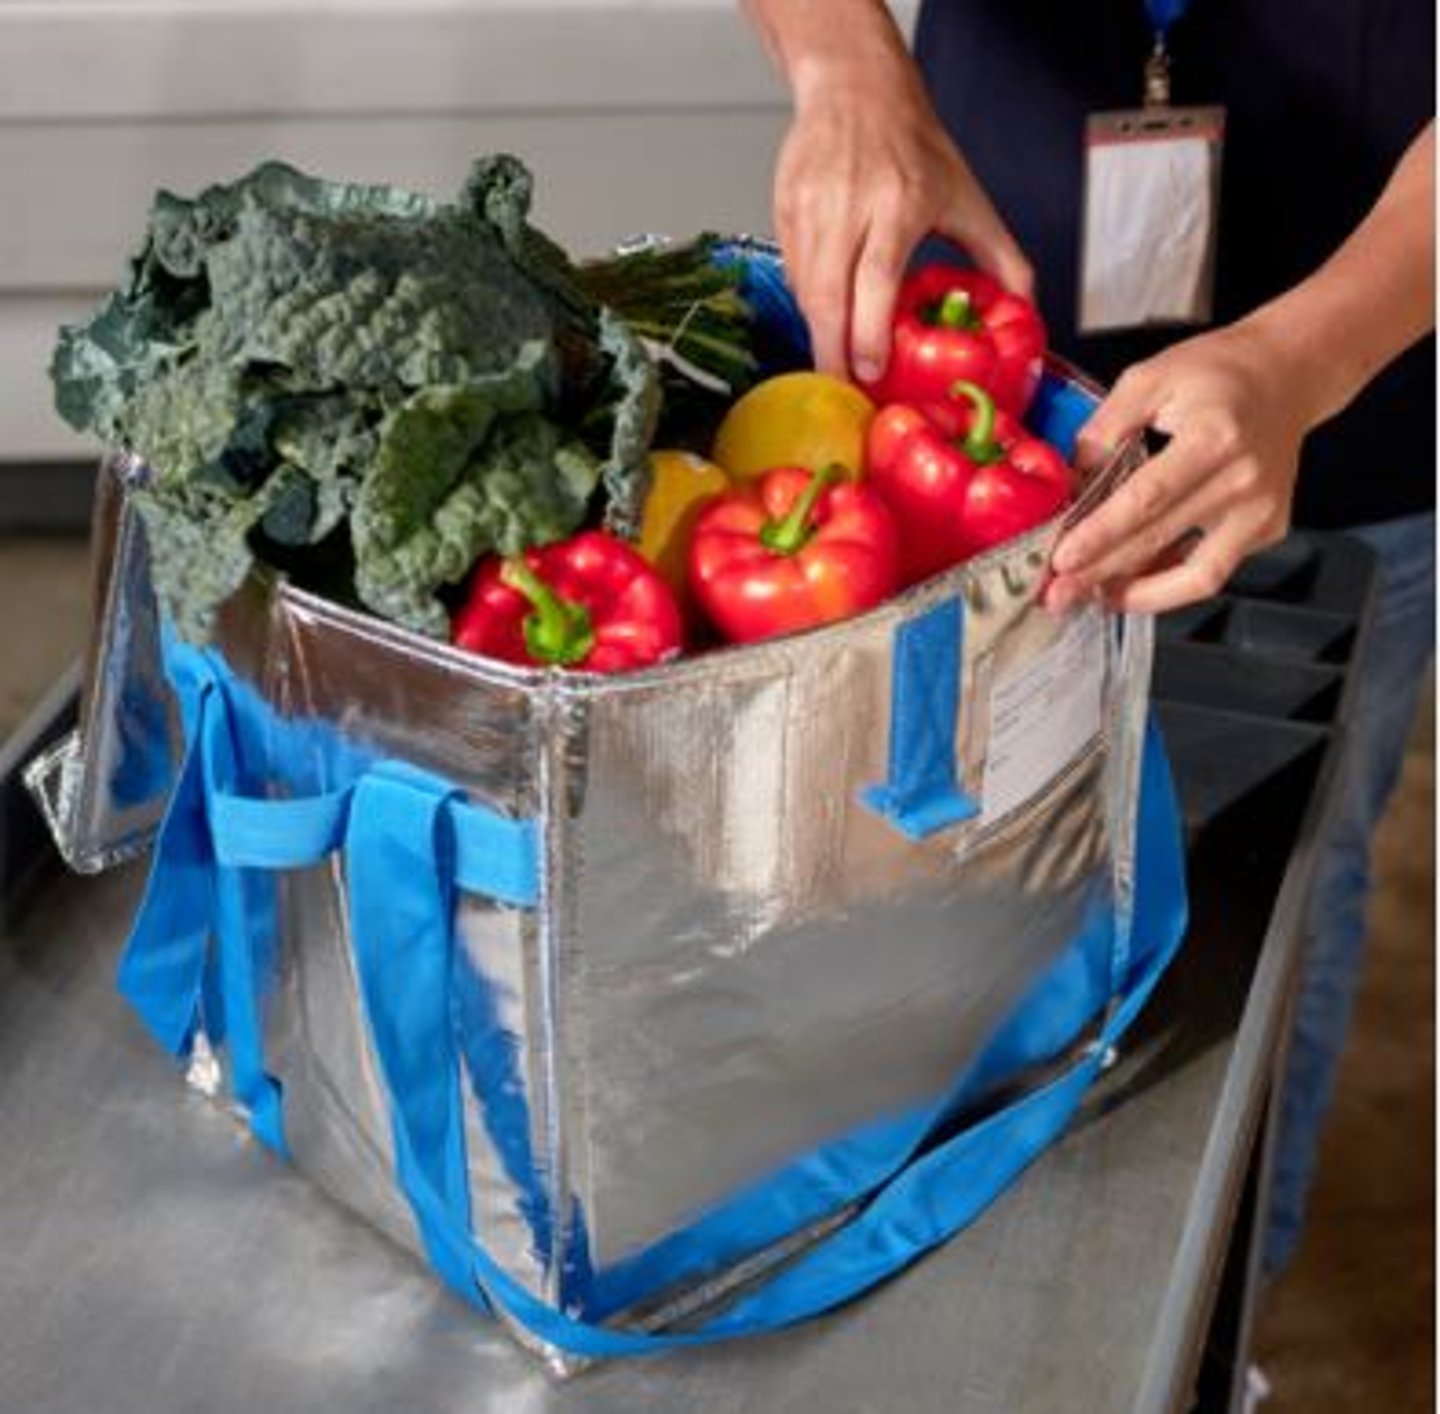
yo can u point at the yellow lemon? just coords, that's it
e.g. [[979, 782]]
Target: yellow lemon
[[680, 483], [795, 419]]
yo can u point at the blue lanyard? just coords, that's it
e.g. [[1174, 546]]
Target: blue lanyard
[[1163, 14]]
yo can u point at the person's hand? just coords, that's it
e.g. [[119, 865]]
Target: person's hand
[[865, 173], [1235, 406]]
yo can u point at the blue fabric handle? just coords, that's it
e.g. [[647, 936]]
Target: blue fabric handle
[[929, 1200], [204, 938], [1054, 1013], [922, 794], [400, 864], [270, 834], [191, 898], [245, 922], [409, 838], [162, 968]]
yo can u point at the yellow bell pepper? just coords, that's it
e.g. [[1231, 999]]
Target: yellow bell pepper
[[680, 484]]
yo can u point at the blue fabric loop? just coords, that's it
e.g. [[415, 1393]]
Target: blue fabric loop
[[205, 933], [278, 834], [494, 856], [1061, 1003], [922, 794]]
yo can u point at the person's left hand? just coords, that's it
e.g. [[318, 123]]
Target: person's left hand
[[1235, 407]]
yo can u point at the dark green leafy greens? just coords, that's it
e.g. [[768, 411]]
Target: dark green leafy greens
[[296, 359]]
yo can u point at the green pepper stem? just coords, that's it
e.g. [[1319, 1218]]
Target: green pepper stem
[[557, 630], [955, 312], [788, 536], [979, 443]]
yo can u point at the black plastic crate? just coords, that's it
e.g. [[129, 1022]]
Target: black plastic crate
[[1223, 759], [1250, 686], [1260, 685], [1282, 631], [1328, 572]]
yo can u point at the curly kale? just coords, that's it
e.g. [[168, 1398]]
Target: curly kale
[[291, 355], [462, 469]]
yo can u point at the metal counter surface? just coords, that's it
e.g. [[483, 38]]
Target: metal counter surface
[[153, 1259]]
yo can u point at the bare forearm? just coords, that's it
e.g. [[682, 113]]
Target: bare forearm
[[1370, 301], [864, 174], [816, 43]]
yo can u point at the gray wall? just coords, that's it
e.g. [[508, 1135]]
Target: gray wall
[[637, 115]]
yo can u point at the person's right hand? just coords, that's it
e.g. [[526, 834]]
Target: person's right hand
[[865, 173]]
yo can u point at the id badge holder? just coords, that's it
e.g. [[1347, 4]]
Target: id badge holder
[[1151, 213]]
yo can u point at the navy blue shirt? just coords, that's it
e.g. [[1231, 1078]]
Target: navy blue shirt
[[1322, 99]]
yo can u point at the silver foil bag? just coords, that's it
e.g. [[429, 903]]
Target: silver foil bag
[[103, 788], [786, 892]]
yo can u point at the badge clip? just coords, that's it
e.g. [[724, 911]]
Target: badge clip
[[1157, 75]]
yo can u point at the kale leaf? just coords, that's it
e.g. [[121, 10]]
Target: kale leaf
[[288, 354]]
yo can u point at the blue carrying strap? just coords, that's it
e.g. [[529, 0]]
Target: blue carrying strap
[[927, 1201], [192, 899], [409, 840], [1060, 1005], [400, 857], [163, 966], [206, 925]]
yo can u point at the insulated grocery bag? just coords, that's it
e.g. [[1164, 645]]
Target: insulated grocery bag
[[650, 1009]]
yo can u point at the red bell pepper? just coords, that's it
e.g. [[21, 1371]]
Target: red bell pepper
[[956, 495], [794, 550], [952, 325], [589, 602]]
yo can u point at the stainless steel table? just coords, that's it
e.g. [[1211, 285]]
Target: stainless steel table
[[154, 1260]]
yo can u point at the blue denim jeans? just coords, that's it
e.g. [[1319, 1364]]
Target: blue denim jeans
[[1387, 680]]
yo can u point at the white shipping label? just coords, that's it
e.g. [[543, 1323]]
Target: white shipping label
[[1044, 714]]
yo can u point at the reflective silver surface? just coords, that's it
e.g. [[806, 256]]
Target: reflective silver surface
[[734, 960], [104, 787], [760, 963]]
